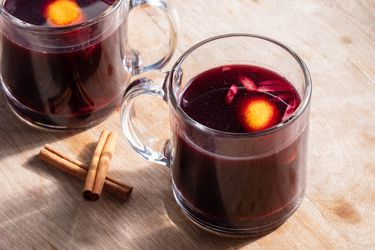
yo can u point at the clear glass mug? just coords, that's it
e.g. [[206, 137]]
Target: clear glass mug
[[74, 76], [233, 184]]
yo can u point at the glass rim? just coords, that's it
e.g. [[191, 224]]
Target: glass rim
[[305, 100], [57, 29]]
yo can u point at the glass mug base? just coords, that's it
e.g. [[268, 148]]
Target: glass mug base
[[55, 122], [237, 232]]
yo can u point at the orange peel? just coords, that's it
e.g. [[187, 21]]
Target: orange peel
[[63, 12], [259, 113]]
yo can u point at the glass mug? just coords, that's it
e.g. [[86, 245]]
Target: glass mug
[[233, 184], [69, 77]]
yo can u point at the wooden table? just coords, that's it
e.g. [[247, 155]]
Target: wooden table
[[42, 208]]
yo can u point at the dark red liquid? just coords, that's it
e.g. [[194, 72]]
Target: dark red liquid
[[230, 192], [68, 89]]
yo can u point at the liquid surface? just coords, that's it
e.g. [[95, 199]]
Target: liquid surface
[[35, 11], [239, 98]]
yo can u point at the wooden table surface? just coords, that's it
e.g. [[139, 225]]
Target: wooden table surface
[[42, 208]]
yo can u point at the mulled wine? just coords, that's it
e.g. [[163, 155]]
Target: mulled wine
[[72, 88], [238, 192]]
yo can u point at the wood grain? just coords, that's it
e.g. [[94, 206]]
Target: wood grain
[[43, 209]]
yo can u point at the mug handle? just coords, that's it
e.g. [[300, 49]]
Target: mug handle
[[171, 15], [143, 86]]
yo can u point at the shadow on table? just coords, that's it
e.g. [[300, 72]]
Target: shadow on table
[[17, 136], [51, 213], [55, 215], [169, 227], [178, 232]]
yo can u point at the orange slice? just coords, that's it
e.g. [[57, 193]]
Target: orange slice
[[259, 113], [63, 12]]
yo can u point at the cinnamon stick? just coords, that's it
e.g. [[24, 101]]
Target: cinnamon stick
[[79, 170], [103, 165], [91, 175]]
